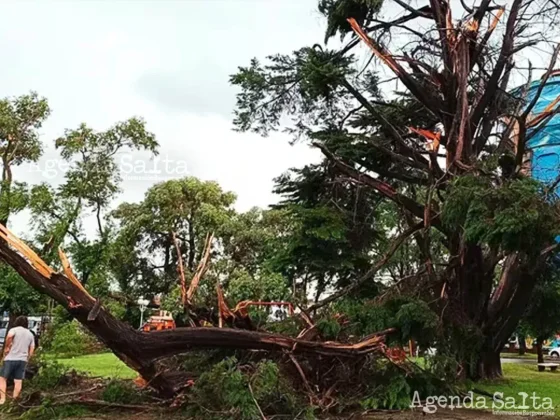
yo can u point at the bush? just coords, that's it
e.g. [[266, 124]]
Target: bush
[[396, 394], [223, 392], [50, 374], [70, 339]]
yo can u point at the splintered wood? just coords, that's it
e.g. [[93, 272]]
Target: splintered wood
[[223, 310], [33, 259], [186, 295], [201, 269], [180, 269], [37, 262], [433, 138], [382, 55], [70, 274]]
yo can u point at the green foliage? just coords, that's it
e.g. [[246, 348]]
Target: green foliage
[[224, 388], [14, 197], [16, 296], [20, 120], [306, 83], [223, 392], [383, 385], [274, 393], [412, 318], [171, 301], [289, 326], [50, 374], [190, 208], [416, 320], [338, 11], [329, 328], [94, 175], [121, 392], [445, 367], [69, 339], [266, 286], [91, 182], [364, 317], [515, 216], [328, 229], [394, 395]]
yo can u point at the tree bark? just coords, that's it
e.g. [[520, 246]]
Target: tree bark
[[489, 365], [192, 245], [495, 315], [538, 346], [522, 344]]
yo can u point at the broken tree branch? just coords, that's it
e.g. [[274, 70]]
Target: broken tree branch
[[202, 267], [382, 187], [181, 270]]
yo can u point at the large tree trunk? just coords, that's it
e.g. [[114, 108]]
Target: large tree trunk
[[489, 365], [522, 344], [495, 314], [141, 350]]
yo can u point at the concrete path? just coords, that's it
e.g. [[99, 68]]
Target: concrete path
[[519, 360]]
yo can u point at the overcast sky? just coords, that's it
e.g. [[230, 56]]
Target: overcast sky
[[100, 62], [169, 62]]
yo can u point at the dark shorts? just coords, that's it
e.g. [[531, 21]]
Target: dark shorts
[[13, 369]]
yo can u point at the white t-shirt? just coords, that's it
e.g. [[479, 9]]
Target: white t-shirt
[[22, 340]]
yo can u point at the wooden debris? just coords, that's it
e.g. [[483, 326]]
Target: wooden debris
[[70, 274], [223, 310], [26, 252]]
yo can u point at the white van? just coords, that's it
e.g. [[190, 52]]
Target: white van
[[34, 325]]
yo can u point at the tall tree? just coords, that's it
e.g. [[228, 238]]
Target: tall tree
[[186, 209], [91, 183], [20, 121], [438, 149]]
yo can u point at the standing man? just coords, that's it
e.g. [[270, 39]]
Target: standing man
[[19, 347]]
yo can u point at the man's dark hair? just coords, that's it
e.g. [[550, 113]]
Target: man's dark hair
[[21, 321]]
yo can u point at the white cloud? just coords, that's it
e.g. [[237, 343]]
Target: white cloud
[[89, 59]]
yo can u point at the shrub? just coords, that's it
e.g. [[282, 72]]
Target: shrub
[[70, 339], [223, 392], [50, 374]]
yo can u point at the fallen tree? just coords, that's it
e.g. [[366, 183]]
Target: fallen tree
[[141, 350]]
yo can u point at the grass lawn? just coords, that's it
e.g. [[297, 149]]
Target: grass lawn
[[526, 378], [104, 364]]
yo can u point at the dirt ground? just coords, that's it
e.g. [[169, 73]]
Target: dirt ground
[[461, 414]]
